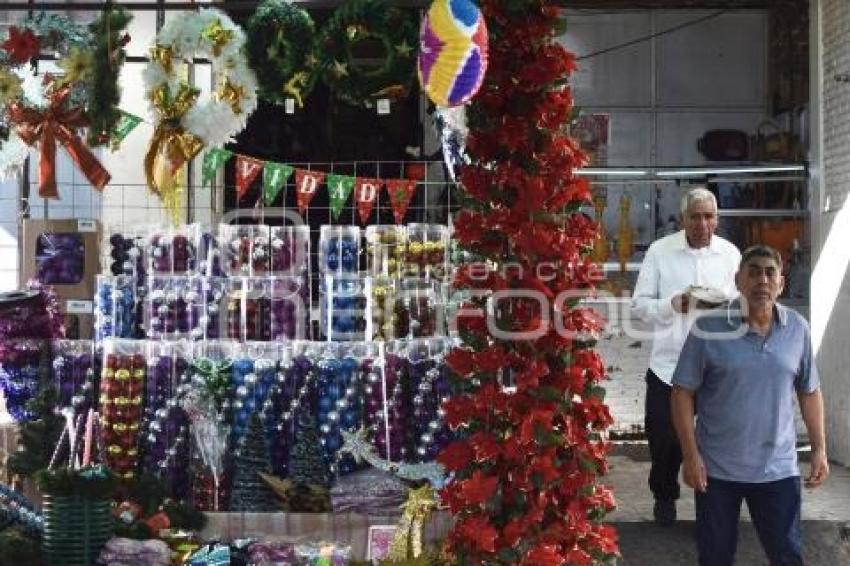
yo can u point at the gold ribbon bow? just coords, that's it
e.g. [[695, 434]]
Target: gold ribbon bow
[[171, 146], [407, 542], [48, 126]]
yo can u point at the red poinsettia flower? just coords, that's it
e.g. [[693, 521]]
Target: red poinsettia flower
[[478, 531], [21, 46], [479, 488], [485, 446], [543, 555], [461, 361], [456, 456]]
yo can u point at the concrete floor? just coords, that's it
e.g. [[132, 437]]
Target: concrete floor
[[826, 519]]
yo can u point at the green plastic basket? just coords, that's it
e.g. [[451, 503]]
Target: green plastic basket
[[75, 529]]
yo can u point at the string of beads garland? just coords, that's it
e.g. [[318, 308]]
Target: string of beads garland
[[364, 21], [279, 38]]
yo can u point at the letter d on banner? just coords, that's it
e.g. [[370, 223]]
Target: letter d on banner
[[365, 194], [306, 184]]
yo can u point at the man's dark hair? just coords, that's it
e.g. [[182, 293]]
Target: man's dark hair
[[760, 250]]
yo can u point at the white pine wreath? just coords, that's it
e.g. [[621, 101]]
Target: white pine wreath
[[212, 35]]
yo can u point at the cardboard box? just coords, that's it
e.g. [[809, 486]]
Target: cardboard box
[[63, 254]]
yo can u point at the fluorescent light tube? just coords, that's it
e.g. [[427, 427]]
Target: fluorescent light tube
[[612, 172], [701, 172]]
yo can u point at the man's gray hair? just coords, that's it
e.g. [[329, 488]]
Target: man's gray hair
[[697, 194]]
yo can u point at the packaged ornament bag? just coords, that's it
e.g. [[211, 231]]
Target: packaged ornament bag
[[427, 250], [245, 248], [116, 307], [342, 308], [248, 307], [380, 307], [73, 375], [210, 262], [60, 258], [419, 309], [430, 387], [122, 390], [168, 313], [171, 251], [254, 427], [165, 430], [288, 309], [339, 249], [208, 406], [338, 385], [296, 376], [386, 250], [204, 307], [388, 411], [289, 250], [123, 253]]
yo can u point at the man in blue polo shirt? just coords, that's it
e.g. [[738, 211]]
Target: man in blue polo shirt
[[742, 367]]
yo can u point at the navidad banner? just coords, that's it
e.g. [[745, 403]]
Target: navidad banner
[[307, 183]]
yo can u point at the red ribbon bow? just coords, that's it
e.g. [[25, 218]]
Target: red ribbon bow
[[52, 124]]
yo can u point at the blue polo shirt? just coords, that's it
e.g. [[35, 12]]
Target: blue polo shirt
[[745, 387]]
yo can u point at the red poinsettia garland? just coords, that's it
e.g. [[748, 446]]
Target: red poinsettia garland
[[525, 486]]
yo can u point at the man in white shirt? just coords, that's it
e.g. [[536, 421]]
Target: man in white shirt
[[694, 256]]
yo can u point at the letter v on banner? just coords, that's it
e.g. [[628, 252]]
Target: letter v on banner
[[306, 185], [247, 169], [366, 194]]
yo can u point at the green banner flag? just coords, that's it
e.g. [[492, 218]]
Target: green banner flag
[[339, 188], [214, 160], [274, 177], [126, 124]]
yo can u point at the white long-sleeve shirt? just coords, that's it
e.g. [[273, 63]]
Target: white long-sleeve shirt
[[669, 268]]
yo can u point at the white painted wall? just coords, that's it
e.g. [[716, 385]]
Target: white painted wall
[[830, 161]]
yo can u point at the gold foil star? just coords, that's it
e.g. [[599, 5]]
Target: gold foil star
[[404, 48], [164, 56], [340, 69], [232, 94], [294, 85], [219, 36]]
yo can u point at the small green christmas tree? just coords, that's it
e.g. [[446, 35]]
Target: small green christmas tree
[[37, 438], [307, 464], [250, 492]]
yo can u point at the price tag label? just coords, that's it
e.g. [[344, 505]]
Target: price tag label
[[79, 307], [383, 106], [289, 106], [86, 226]]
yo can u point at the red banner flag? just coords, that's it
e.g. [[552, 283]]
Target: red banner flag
[[306, 185], [247, 169], [401, 191], [365, 194]]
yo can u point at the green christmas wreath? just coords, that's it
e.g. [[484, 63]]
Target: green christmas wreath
[[356, 82], [109, 55], [279, 39]]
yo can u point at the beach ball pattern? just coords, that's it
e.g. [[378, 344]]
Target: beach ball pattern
[[452, 52]]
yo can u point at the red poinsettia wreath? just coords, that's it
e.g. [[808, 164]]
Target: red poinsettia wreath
[[526, 466]]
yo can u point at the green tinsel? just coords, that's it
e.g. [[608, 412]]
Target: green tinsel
[[18, 547], [370, 20], [278, 41], [104, 91], [95, 482], [37, 439]]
